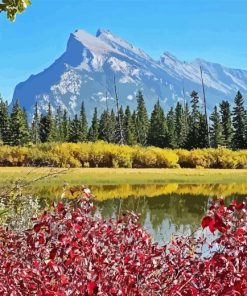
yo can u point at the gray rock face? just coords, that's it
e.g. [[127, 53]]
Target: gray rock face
[[86, 71]]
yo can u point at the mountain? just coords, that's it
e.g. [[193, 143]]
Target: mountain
[[86, 71]]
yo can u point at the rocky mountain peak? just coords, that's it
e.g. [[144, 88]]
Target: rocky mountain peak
[[86, 70]]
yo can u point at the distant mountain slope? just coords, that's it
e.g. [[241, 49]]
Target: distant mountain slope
[[86, 70]]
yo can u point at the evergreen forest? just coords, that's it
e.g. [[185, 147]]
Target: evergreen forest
[[184, 126]]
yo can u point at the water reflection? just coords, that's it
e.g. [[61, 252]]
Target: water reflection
[[104, 192], [164, 209], [162, 215]]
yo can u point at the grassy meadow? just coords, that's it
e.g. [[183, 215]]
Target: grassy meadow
[[96, 176]]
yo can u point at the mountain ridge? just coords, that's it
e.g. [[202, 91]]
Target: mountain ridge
[[85, 72]]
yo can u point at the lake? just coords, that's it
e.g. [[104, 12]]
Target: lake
[[165, 210]]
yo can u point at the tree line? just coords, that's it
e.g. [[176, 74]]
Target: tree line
[[183, 126]]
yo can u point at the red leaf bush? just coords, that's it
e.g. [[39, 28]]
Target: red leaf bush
[[70, 252]]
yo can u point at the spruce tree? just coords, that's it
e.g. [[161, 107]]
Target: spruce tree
[[171, 127], [75, 130], [186, 119], [202, 138], [119, 132], [157, 134], [46, 126], [65, 125], [5, 133], [239, 141], [194, 122], [25, 119], [93, 133], [226, 121], [35, 125], [104, 124], [142, 121], [129, 128], [134, 121], [43, 129], [58, 122], [18, 123], [181, 129], [83, 122], [216, 135], [53, 135], [112, 126]]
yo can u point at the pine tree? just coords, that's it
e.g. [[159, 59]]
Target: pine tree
[[18, 123], [111, 128], [58, 125], [181, 128], [53, 135], [142, 121], [119, 132], [202, 138], [65, 125], [239, 141], [5, 133], [129, 128], [35, 125], [26, 125], [134, 121], [83, 122], [226, 121], [157, 134], [104, 124], [93, 133], [75, 130], [46, 126], [187, 119], [171, 126], [43, 129], [216, 135], [194, 122]]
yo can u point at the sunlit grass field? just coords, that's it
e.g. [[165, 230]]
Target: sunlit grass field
[[95, 176]]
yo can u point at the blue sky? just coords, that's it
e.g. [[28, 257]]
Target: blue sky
[[214, 30]]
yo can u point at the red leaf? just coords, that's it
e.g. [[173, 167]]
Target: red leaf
[[240, 206], [72, 254], [173, 251], [68, 262], [64, 279], [53, 253], [142, 257], [60, 207], [91, 287], [126, 259], [219, 224], [237, 205], [241, 231], [206, 221], [113, 291], [62, 238], [231, 208], [212, 225], [37, 227], [41, 238]]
